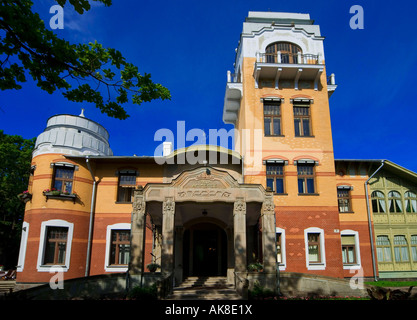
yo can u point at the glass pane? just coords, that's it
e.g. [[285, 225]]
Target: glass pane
[[58, 184], [279, 185], [414, 253], [301, 188], [310, 185], [387, 254], [270, 183], [277, 126], [267, 126], [49, 253], [306, 127], [297, 127], [127, 180], [62, 246], [313, 253]]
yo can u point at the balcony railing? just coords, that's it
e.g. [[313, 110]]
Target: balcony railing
[[288, 58]]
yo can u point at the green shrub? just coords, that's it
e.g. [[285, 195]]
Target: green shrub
[[143, 293]]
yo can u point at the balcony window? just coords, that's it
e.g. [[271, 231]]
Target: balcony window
[[289, 53]]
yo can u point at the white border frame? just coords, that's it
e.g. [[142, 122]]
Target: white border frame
[[283, 264], [315, 266], [358, 264], [54, 223], [116, 226], [23, 246]]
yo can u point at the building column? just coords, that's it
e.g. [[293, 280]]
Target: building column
[[137, 239], [168, 222], [269, 247], [239, 227], [179, 254]]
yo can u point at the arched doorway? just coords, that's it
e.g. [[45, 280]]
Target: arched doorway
[[205, 250]]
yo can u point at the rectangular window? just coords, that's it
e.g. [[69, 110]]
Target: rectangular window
[[302, 120], [383, 250], [348, 249], [306, 183], [120, 247], [414, 247], [279, 248], [400, 249], [272, 118], [344, 202], [275, 177], [314, 254], [63, 178], [127, 183], [56, 245]]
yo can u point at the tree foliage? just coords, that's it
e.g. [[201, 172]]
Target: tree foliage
[[83, 72], [15, 159]]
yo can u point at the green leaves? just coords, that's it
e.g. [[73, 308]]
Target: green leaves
[[83, 72]]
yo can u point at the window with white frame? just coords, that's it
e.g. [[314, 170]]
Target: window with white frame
[[55, 245], [117, 247], [315, 250], [280, 242]]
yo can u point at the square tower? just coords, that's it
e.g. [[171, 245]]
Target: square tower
[[278, 100]]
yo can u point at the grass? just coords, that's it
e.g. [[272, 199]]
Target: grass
[[392, 283]]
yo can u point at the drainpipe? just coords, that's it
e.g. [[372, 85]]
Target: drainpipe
[[90, 229], [369, 220]]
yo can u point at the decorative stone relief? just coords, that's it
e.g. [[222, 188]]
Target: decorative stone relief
[[168, 207], [239, 207]]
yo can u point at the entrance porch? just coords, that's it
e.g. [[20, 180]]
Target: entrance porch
[[205, 223]]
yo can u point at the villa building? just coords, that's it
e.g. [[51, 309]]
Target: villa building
[[280, 198]]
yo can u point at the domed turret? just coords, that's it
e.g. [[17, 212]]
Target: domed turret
[[75, 135]]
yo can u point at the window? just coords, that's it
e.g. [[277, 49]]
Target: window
[[348, 249], [344, 200], [275, 177], [127, 183], [280, 242], [289, 52], [410, 201], [272, 118], [302, 119], [120, 247], [314, 254], [63, 178], [56, 245], [394, 202], [378, 202], [314, 247], [383, 250], [117, 247], [414, 247], [306, 184], [400, 249]]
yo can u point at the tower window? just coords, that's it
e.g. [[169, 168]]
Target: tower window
[[56, 245], [275, 177], [302, 120], [63, 178], [306, 181], [272, 118]]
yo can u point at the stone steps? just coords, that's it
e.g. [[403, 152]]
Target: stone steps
[[204, 288]]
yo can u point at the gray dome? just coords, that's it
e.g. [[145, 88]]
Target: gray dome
[[74, 135]]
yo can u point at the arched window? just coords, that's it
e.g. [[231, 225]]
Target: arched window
[[289, 52], [410, 201], [394, 202], [378, 202]]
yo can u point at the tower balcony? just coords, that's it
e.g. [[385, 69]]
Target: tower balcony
[[293, 67]]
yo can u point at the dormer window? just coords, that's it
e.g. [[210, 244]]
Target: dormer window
[[288, 52]]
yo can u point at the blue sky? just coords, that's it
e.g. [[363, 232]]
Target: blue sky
[[188, 46]]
